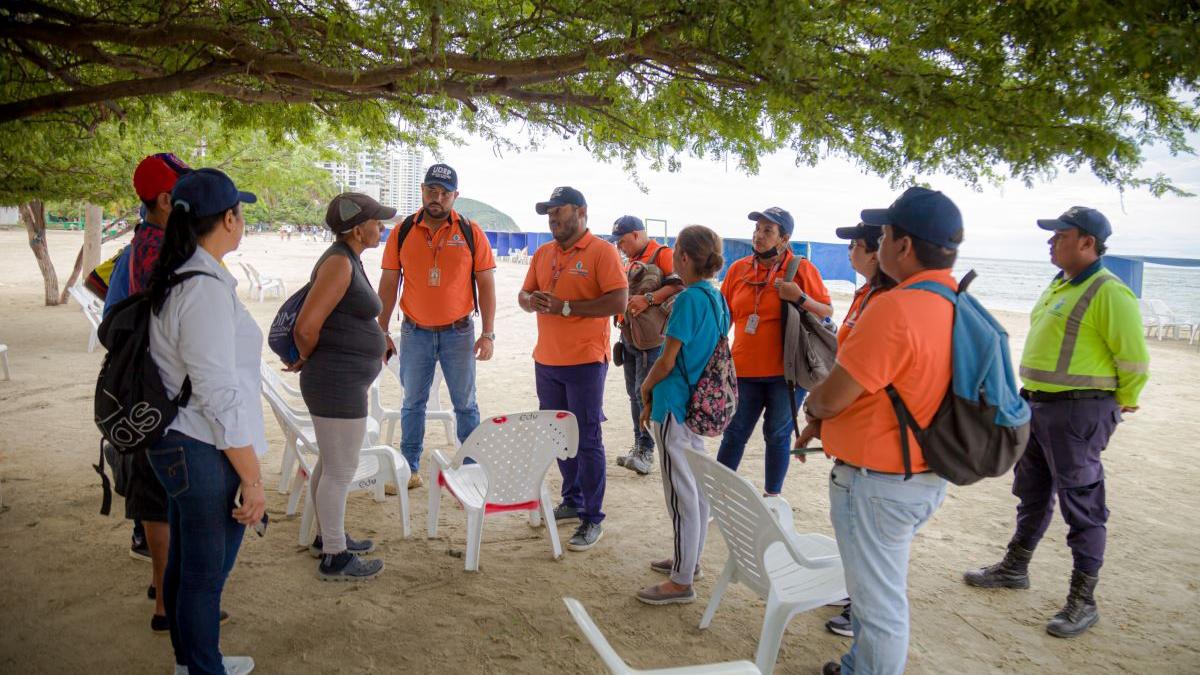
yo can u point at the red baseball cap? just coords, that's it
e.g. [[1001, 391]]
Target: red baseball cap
[[157, 174]]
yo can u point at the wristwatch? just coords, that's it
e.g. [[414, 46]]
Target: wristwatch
[[490, 336], [566, 310], [650, 299]]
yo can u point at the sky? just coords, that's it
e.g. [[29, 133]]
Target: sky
[[998, 221]]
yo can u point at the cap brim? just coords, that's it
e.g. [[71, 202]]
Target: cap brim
[[878, 217], [384, 213], [442, 184], [855, 232], [543, 207], [247, 197], [1053, 224], [759, 215]]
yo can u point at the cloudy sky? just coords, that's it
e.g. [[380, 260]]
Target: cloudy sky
[[999, 221]]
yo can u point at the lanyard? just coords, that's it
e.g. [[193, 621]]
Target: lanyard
[[430, 236], [558, 265], [762, 285]]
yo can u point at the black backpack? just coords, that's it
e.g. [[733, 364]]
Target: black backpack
[[465, 226], [132, 407]]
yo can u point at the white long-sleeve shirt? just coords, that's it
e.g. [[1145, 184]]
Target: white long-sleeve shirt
[[204, 332]]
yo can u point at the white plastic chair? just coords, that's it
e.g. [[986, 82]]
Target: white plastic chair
[[513, 453], [93, 309], [617, 666], [792, 572], [1168, 321], [260, 284], [4, 361], [434, 412]]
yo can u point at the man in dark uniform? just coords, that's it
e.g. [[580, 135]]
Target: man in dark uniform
[[1084, 364]]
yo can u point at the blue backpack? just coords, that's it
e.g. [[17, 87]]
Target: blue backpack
[[982, 425], [279, 338]]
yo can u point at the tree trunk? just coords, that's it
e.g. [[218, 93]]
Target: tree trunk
[[33, 215]]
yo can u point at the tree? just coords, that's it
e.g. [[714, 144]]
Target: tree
[[977, 88]]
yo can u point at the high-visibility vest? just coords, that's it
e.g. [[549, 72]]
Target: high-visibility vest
[[1087, 334]]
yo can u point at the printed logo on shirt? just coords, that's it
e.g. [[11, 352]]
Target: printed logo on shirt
[[457, 240], [579, 269]]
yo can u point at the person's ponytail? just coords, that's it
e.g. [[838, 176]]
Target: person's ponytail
[[180, 239]]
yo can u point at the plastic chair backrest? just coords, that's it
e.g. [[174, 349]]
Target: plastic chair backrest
[[592, 632], [516, 450], [746, 523], [1162, 311]]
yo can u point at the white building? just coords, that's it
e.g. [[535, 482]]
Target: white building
[[391, 175]]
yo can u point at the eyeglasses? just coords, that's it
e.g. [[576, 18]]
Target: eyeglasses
[[853, 244]]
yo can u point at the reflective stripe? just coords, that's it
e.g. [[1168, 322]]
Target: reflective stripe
[[1133, 366], [1068, 380]]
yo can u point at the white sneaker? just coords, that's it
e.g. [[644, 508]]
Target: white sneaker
[[238, 665]]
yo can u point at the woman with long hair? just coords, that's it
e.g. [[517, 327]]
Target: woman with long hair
[[202, 337]]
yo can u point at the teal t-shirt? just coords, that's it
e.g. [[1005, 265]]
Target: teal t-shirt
[[698, 319]]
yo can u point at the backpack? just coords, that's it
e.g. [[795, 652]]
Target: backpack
[[648, 329], [97, 281], [714, 398], [464, 226], [280, 338], [809, 345], [982, 425], [132, 408]]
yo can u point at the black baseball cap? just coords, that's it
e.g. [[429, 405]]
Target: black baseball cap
[[1087, 219], [560, 197], [926, 214], [351, 209]]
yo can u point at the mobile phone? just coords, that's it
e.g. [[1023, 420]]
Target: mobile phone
[[260, 528], [812, 450]]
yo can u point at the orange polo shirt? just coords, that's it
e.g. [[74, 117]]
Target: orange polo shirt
[[749, 284], [453, 298], [654, 254], [587, 271], [862, 297], [903, 339]]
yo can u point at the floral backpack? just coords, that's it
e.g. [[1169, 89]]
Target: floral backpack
[[714, 397]]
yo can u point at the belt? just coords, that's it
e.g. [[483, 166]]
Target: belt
[[887, 473], [1068, 395], [461, 323]]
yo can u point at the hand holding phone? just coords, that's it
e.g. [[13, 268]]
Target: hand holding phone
[[260, 526]]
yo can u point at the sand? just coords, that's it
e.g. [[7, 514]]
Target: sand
[[71, 599]]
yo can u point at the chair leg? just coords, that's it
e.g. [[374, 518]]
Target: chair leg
[[390, 434], [299, 486], [451, 432], [307, 516], [402, 489], [474, 539], [289, 460], [92, 340], [774, 623], [718, 591], [551, 526], [435, 503], [4, 363]]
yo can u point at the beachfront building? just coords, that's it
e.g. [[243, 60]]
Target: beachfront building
[[392, 175]]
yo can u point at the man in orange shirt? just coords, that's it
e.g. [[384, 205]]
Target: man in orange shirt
[[575, 284], [903, 339], [441, 280], [638, 247]]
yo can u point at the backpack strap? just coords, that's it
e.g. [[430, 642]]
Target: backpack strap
[[464, 225], [106, 501], [789, 273]]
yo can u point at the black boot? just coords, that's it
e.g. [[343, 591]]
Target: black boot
[[1012, 572], [1079, 614]]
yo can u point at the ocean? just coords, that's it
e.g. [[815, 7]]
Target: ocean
[[1014, 285]]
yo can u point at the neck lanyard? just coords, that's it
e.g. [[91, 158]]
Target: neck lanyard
[[762, 285], [558, 265], [431, 235]]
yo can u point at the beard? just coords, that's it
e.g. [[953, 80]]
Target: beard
[[566, 229], [436, 211]]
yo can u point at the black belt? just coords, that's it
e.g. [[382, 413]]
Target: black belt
[[460, 324], [1068, 395], [889, 473]]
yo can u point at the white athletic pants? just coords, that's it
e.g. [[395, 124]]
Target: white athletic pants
[[686, 503], [340, 441]]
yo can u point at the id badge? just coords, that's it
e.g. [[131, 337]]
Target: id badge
[[435, 276], [752, 324]]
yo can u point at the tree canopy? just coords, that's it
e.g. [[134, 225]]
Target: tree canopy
[[977, 88]]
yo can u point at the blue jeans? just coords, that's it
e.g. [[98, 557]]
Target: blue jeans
[[420, 352], [579, 390], [200, 483], [756, 394], [875, 516], [637, 366]]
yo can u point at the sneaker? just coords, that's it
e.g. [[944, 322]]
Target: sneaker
[[139, 549], [415, 481], [655, 595], [623, 460], [585, 537], [840, 624], [564, 512], [237, 665], [838, 603], [346, 566], [160, 625], [665, 566], [641, 461], [831, 668], [355, 546]]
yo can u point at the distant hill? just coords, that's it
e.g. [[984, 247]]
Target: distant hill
[[487, 216]]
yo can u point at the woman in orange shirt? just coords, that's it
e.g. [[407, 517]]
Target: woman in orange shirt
[[755, 289]]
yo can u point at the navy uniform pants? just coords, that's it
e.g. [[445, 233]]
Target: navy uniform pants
[[1063, 460]]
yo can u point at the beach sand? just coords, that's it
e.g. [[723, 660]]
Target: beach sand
[[71, 599]]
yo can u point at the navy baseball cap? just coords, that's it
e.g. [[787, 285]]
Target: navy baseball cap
[[868, 233], [778, 216], [207, 192], [1090, 221], [926, 214], [442, 175], [560, 197], [627, 224]]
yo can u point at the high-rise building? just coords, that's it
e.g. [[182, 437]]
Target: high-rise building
[[392, 175]]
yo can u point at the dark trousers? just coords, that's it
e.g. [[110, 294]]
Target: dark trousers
[[769, 398], [200, 483], [637, 366], [1063, 459], [579, 390]]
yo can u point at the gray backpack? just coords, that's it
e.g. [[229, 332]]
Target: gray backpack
[[809, 344]]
